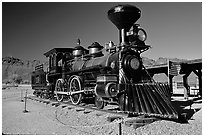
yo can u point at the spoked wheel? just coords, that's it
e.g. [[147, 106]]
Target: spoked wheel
[[123, 102], [59, 87], [99, 102], [75, 85]]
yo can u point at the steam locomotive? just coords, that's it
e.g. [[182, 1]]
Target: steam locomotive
[[101, 72]]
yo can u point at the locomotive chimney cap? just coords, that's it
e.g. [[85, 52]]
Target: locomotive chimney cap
[[78, 48], [95, 45], [124, 16]]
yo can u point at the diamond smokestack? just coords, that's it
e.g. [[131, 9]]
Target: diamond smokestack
[[123, 17]]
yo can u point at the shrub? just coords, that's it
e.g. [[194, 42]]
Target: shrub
[[16, 78]]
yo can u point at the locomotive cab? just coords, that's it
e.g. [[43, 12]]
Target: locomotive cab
[[57, 57]]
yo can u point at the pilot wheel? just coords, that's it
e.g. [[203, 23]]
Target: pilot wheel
[[99, 102], [75, 86], [123, 102]]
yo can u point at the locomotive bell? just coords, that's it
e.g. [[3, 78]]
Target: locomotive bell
[[95, 48], [123, 17]]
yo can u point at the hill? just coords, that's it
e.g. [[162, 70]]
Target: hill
[[12, 67]]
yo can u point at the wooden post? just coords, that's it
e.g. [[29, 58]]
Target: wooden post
[[199, 74], [170, 77], [171, 83], [186, 86], [200, 81]]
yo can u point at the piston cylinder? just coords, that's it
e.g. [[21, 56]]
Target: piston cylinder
[[106, 86]]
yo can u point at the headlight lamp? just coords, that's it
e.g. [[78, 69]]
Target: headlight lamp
[[134, 63], [142, 35], [131, 63]]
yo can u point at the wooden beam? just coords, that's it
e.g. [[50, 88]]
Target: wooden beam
[[196, 72], [200, 81], [186, 86], [171, 82], [199, 74]]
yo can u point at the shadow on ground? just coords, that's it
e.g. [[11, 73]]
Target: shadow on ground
[[185, 110]]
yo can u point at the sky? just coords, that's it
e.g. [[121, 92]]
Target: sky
[[29, 29]]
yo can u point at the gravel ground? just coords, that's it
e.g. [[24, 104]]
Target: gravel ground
[[45, 119]]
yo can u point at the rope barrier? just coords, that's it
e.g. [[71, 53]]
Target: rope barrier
[[117, 121]]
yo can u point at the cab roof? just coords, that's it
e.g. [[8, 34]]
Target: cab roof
[[58, 50]]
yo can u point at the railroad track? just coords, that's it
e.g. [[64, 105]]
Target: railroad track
[[129, 119], [113, 109]]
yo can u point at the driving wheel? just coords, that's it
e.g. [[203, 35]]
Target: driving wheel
[[59, 87], [75, 85]]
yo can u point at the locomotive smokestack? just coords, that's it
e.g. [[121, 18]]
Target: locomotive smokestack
[[123, 17]]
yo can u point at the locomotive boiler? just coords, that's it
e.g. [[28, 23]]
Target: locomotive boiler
[[107, 73]]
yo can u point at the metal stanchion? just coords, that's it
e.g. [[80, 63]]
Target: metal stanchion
[[120, 129], [25, 111], [120, 126], [21, 95]]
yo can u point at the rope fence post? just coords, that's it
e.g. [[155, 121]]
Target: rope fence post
[[120, 128], [25, 111], [21, 95]]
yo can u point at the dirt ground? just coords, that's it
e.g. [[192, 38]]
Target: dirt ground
[[45, 119]]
